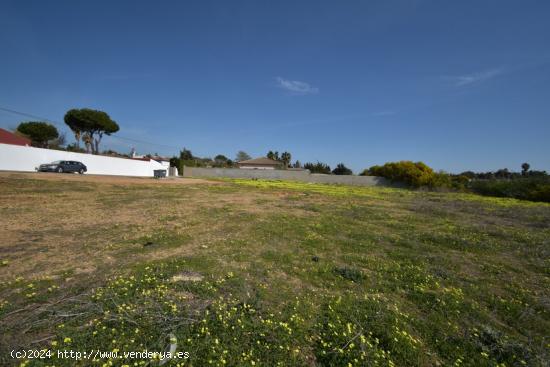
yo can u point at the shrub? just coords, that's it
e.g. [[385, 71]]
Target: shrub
[[417, 174], [445, 180], [75, 148], [352, 274], [534, 189], [414, 174], [440, 179]]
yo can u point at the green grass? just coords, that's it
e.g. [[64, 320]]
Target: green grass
[[265, 273]]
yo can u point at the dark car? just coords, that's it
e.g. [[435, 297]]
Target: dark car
[[63, 166]]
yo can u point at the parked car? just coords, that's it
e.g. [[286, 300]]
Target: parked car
[[63, 166]]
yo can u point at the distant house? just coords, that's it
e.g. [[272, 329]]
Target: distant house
[[164, 161], [7, 137], [259, 163]]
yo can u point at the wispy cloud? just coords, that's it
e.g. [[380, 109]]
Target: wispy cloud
[[464, 80], [296, 86]]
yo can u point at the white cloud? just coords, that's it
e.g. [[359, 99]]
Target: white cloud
[[478, 77], [296, 87]]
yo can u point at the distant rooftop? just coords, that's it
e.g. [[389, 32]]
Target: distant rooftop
[[7, 137]]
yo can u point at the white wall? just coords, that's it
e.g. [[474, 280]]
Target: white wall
[[19, 158], [282, 174]]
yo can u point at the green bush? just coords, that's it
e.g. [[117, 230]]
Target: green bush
[[352, 274], [445, 180], [534, 189], [417, 174], [414, 174]]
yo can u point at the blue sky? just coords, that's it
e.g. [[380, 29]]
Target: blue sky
[[457, 84]]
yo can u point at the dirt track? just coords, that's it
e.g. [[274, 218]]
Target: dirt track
[[117, 180]]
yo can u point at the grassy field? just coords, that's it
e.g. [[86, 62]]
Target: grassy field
[[259, 273]]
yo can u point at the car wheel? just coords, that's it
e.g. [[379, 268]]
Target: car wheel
[[60, 170], [81, 171]]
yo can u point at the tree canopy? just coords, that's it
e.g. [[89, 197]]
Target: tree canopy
[[242, 156], [525, 168], [222, 161], [273, 155], [318, 167], [341, 169], [186, 155], [40, 133], [284, 158], [90, 125]]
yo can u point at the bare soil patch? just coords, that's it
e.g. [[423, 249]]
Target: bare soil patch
[[117, 180]]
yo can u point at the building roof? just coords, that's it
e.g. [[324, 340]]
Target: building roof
[[158, 158], [7, 137], [261, 161]]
